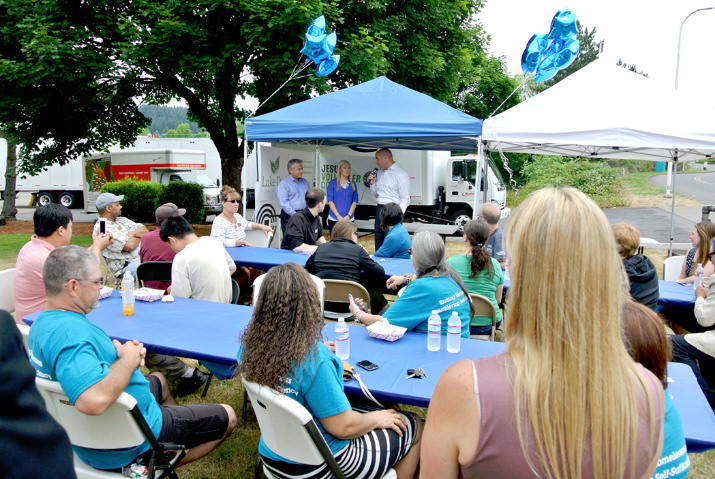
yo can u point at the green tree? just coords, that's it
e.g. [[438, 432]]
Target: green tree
[[632, 67], [210, 53]]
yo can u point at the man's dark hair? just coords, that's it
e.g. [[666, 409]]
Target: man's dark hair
[[314, 196], [48, 218], [390, 215], [175, 226]]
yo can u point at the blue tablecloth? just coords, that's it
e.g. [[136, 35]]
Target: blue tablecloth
[[188, 328], [265, 258], [676, 295], [695, 412]]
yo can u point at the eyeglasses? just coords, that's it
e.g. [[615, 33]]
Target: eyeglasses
[[710, 255], [232, 201], [409, 250], [95, 281], [481, 217]]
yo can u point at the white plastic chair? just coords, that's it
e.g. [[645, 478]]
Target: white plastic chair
[[25, 333], [672, 267], [289, 430], [318, 283], [121, 425], [258, 238], [7, 295]]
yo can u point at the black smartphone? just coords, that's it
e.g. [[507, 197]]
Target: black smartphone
[[102, 226], [367, 365]]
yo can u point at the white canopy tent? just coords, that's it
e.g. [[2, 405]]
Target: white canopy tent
[[607, 111]]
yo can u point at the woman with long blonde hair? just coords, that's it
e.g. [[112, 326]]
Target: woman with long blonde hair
[[565, 400], [700, 238], [342, 196]]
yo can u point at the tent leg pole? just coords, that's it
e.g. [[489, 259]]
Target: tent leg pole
[[672, 208]]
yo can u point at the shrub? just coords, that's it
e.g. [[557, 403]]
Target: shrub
[[595, 178], [189, 196], [139, 201]]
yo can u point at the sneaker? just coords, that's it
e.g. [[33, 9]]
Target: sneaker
[[188, 385]]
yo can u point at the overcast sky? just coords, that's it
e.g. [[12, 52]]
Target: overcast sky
[[640, 32]]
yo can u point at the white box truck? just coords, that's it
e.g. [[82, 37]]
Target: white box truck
[[161, 166], [442, 187], [65, 184]]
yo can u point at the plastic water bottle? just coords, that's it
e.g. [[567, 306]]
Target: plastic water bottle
[[128, 294], [342, 339], [454, 333], [434, 331], [698, 276]]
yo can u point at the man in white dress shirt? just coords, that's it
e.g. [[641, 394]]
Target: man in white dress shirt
[[391, 184]]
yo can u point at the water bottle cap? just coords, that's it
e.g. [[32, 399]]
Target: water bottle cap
[[434, 311], [341, 319]]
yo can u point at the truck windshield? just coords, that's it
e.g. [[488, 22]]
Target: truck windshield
[[191, 177], [495, 175]]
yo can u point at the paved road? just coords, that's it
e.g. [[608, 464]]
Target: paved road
[[700, 186]]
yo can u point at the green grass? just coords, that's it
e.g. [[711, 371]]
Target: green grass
[[10, 246], [638, 184]]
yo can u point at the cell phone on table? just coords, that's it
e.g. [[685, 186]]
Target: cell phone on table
[[102, 226], [367, 365]]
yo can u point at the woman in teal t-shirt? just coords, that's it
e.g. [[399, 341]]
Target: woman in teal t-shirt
[[480, 272], [282, 348], [436, 288]]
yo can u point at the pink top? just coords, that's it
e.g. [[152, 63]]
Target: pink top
[[29, 290], [499, 452]]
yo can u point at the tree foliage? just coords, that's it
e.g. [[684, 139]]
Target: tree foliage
[[98, 56]]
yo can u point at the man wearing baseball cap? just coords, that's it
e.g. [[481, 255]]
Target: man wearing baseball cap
[[123, 254]]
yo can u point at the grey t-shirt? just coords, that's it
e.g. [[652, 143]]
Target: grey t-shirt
[[494, 245]]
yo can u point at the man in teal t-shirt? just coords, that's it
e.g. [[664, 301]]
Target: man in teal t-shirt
[[93, 370]]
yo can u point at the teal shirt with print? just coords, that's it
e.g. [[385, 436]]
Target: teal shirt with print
[[425, 294], [317, 384]]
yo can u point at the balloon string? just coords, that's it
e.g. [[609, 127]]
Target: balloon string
[[296, 71], [527, 77]]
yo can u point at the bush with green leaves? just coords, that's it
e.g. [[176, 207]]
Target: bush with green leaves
[[595, 178], [139, 201], [189, 196]]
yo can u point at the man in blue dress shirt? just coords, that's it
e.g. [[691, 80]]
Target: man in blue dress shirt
[[291, 191]]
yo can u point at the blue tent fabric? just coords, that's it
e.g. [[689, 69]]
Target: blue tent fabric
[[374, 114]]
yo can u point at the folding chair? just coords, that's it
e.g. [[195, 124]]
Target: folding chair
[[7, 295], [672, 267], [258, 238], [274, 221], [481, 306], [337, 291], [154, 271], [25, 333], [235, 291], [289, 430], [122, 425]]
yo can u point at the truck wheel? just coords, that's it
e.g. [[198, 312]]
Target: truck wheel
[[44, 198], [66, 199], [460, 218]]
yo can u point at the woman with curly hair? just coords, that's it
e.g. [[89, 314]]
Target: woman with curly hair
[[282, 348], [700, 238], [564, 400], [480, 272]]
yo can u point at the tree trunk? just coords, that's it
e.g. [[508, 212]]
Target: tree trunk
[[231, 165], [9, 211]]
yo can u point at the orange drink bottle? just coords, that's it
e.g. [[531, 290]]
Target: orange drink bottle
[[128, 294]]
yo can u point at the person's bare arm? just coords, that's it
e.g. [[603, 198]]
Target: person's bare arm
[[351, 424], [99, 243], [451, 433], [332, 207], [683, 278], [97, 398], [306, 248], [321, 240]]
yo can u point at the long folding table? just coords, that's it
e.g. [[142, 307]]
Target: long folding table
[[266, 258], [211, 332]]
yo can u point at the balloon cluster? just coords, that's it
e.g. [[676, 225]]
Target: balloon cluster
[[546, 54], [319, 47]]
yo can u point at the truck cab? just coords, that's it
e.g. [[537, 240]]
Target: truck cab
[[461, 188], [212, 199]]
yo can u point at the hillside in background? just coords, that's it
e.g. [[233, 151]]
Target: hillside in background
[[165, 118]]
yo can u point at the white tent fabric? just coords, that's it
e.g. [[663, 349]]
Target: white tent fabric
[[606, 111]]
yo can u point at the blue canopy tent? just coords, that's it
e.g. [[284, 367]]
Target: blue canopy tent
[[376, 114]]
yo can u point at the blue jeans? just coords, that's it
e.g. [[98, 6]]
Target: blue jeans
[[701, 363]]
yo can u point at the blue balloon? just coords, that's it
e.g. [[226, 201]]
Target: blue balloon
[[316, 27], [327, 66], [546, 54], [319, 48]]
